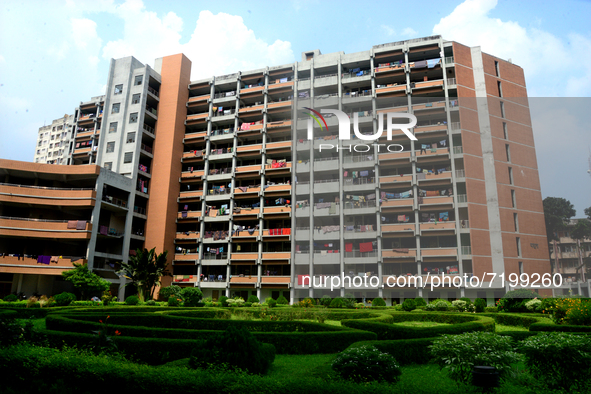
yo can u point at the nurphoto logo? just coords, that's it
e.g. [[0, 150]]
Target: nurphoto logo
[[345, 129]]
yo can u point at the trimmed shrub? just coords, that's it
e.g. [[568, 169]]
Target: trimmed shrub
[[271, 302], [191, 296], [10, 298], [534, 305], [467, 300], [542, 326], [366, 363], [407, 351], [480, 304], [150, 303], [223, 301], [441, 306], [409, 305], [560, 360], [282, 300], [174, 301], [235, 347], [459, 305], [325, 300], [460, 353], [491, 309], [378, 302], [166, 292], [252, 299], [515, 300], [337, 302], [132, 300], [64, 299], [420, 301], [513, 319]]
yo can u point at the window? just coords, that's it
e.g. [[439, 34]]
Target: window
[[513, 201], [502, 109], [113, 127], [508, 152], [116, 107], [309, 56], [520, 267], [510, 175], [38, 151], [118, 89], [138, 80], [110, 147], [497, 68], [130, 138], [40, 143], [515, 222], [518, 245], [133, 117], [128, 157], [108, 165], [505, 130], [500, 88], [135, 99]]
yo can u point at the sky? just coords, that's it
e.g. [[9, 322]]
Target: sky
[[55, 54]]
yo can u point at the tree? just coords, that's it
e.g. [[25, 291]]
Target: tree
[[557, 213], [145, 270], [581, 232], [588, 213], [86, 281]]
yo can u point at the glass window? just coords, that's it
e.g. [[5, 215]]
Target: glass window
[[113, 127], [116, 107], [128, 157], [138, 80], [109, 165], [110, 147], [118, 89], [135, 99], [133, 117], [130, 137]]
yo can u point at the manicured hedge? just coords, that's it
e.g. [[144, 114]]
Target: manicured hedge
[[392, 331], [513, 319], [405, 351], [71, 372], [25, 313], [559, 327]]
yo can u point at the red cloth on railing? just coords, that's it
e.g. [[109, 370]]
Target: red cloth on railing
[[365, 247], [348, 247]]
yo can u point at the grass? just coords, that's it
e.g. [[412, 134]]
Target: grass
[[502, 327], [421, 324]]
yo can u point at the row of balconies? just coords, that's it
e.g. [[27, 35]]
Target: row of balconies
[[219, 281], [47, 195], [251, 192], [39, 228]]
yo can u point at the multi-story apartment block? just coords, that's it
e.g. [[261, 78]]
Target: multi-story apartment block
[[53, 141], [572, 260], [251, 196]]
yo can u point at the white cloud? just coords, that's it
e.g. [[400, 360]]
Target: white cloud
[[534, 49], [409, 32], [388, 30], [219, 43]]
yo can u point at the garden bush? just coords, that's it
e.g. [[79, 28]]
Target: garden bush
[[573, 311], [420, 301], [270, 302], [366, 363], [10, 298], [441, 306], [378, 302], [282, 300], [467, 300], [515, 300], [150, 303], [409, 305], [168, 291], [491, 309], [479, 304], [337, 302], [222, 301], [235, 347], [252, 299], [132, 300], [64, 299], [458, 354], [460, 305], [174, 301], [191, 296], [546, 326], [534, 305], [560, 360], [406, 351]]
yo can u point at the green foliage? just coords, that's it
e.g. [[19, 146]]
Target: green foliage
[[480, 304], [174, 301], [406, 351], [191, 296], [491, 309], [150, 303], [515, 300], [378, 302], [132, 300], [64, 299], [467, 300], [441, 306], [560, 360], [223, 301], [557, 213], [542, 326], [271, 302], [458, 354], [366, 363], [534, 305], [166, 292], [337, 302], [420, 301], [253, 298], [85, 281], [281, 300], [460, 305], [409, 305], [11, 298], [237, 348], [588, 213], [145, 270], [582, 230], [107, 298], [325, 300]]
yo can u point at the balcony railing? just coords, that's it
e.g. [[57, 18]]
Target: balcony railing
[[357, 253], [225, 94], [458, 150], [360, 204], [151, 110], [220, 151], [359, 181], [466, 250], [451, 81], [140, 210], [325, 76], [462, 198], [45, 187], [153, 91], [115, 201], [149, 129], [449, 60], [146, 148], [224, 112], [219, 192], [358, 158], [460, 174]]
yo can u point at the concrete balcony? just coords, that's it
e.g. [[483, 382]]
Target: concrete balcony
[[303, 145], [400, 254], [47, 196], [188, 175], [395, 180], [191, 195], [186, 257], [399, 229], [248, 170], [246, 213], [302, 258], [441, 178], [357, 257], [273, 281], [323, 257], [438, 228], [359, 184], [327, 186], [250, 280], [189, 215], [246, 191], [304, 188], [280, 210], [38, 228], [440, 253], [437, 202], [277, 188], [250, 148], [187, 237], [195, 137], [278, 256], [282, 145], [326, 165], [244, 256], [394, 156], [303, 167]]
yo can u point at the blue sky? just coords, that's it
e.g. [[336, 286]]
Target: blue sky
[[54, 54]]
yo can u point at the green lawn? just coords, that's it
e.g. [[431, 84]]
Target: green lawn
[[502, 327], [421, 324]]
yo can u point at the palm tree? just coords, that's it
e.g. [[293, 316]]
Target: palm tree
[[145, 270]]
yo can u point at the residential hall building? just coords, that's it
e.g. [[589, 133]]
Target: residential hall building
[[244, 180]]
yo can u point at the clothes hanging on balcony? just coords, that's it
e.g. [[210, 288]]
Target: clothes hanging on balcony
[[81, 225], [348, 247], [333, 209], [72, 224], [421, 64], [365, 247], [444, 216]]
